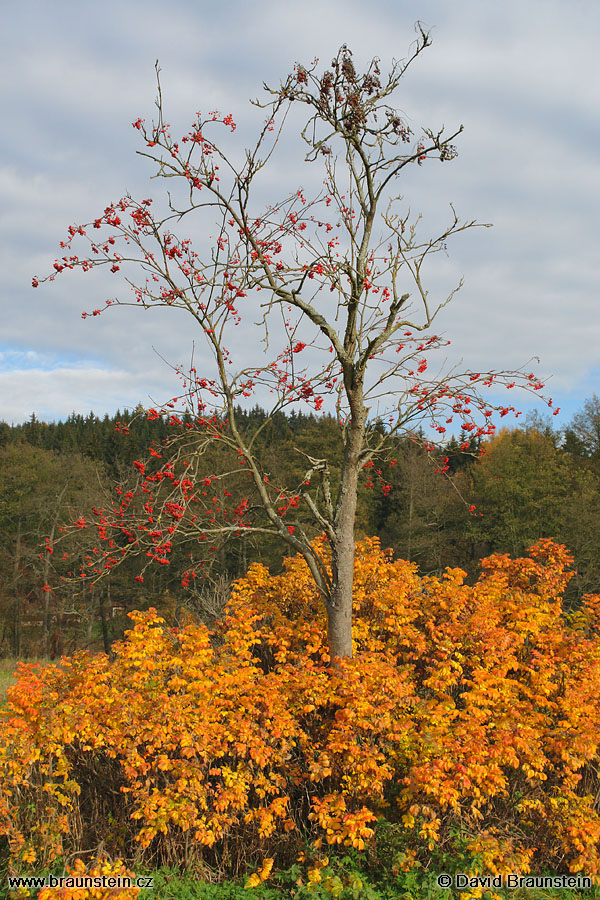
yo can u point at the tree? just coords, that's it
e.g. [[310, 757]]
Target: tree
[[422, 519], [39, 490], [582, 436], [336, 282], [522, 486]]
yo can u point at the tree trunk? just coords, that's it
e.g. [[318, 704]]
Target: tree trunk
[[90, 619], [410, 517], [103, 622], [57, 647], [46, 607], [16, 630], [339, 608]]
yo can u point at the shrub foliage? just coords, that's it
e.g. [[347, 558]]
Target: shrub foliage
[[468, 719]]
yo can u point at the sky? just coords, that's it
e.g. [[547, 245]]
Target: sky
[[523, 79]]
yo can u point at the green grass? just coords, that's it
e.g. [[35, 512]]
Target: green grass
[[169, 884], [352, 885]]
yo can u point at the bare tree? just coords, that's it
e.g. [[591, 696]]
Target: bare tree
[[336, 282]]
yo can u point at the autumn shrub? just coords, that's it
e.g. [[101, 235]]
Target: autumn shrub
[[467, 723], [97, 878]]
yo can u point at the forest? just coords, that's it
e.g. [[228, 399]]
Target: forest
[[497, 496]]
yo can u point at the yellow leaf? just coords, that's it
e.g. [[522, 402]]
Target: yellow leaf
[[266, 869]]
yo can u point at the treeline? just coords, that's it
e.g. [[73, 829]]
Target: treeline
[[529, 483]]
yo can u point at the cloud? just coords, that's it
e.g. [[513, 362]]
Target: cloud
[[54, 393], [521, 77]]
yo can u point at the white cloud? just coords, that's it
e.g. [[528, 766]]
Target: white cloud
[[522, 77], [53, 393]]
